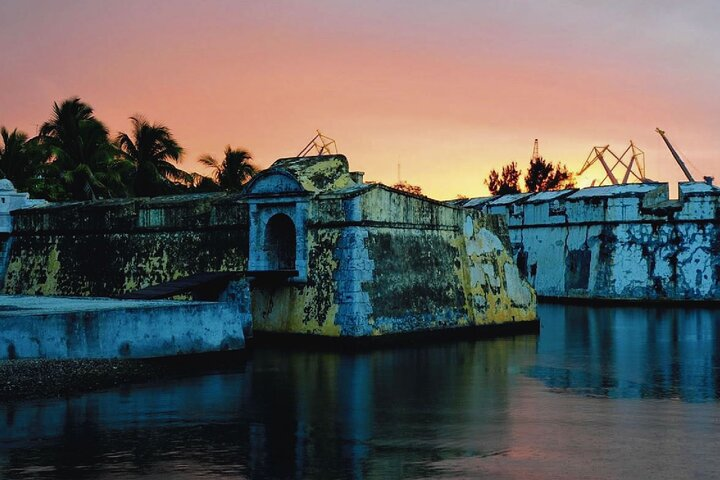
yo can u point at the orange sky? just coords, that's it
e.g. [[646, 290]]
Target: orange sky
[[448, 89]]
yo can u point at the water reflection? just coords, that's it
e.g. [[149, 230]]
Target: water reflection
[[630, 352], [523, 407], [287, 414]]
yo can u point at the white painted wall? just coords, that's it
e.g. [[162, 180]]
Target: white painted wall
[[642, 245]]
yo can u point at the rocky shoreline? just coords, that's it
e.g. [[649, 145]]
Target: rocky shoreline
[[34, 378], [41, 378]]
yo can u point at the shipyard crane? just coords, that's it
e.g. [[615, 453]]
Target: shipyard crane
[[635, 166], [321, 144], [708, 179], [676, 156]]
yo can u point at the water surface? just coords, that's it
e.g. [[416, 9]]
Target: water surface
[[599, 393]]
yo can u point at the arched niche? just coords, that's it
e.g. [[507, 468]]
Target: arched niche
[[279, 245]]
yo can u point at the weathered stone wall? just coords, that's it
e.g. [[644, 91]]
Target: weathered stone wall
[[624, 242], [381, 262], [111, 247], [368, 260], [61, 328]]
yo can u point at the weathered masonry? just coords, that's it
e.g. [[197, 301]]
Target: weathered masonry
[[617, 242], [370, 260], [323, 253], [110, 247], [10, 200], [53, 327]]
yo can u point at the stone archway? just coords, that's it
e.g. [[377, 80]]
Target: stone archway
[[280, 248]]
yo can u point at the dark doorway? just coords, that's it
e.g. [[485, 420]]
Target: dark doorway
[[280, 243]]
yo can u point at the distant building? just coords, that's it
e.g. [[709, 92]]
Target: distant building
[[11, 199], [618, 242]]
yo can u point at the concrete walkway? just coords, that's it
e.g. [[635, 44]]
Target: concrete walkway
[[73, 327]]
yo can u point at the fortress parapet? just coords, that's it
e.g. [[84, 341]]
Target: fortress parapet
[[323, 253], [628, 242]]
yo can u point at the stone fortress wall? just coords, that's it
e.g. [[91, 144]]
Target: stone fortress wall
[[380, 261], [109, 247], [358, 259], [372, 260], [625, 242]]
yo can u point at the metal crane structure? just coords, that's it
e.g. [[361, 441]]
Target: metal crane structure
[[675, 155], [634, 166], [679, 160], [320, 144], [707, 179]]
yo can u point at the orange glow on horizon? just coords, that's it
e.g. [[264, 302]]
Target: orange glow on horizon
[[449, 92]]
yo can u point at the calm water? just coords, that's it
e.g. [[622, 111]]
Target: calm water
[[600, 393]]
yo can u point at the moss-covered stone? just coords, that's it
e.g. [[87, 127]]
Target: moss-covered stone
[[109, 248], [370, 260]]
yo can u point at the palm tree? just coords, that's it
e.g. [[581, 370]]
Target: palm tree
[[80, 152], [202, 184], [153, 150], [235, 169], [19, 159]]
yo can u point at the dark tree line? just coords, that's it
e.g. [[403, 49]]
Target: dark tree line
[[540, 177], [73, 157]]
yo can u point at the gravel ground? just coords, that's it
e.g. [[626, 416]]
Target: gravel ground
[[33, 378], [36, 378]]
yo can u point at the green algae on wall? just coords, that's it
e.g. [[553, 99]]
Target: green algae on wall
[[109, 248], [382, 262], [310, 307], [315, 174], [371, 260]]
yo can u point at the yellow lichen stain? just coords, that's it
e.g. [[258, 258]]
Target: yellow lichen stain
[[331, 167], [53, 267], [282, 310], [34, 274], [11, 275], [303, 308], [497, 305]]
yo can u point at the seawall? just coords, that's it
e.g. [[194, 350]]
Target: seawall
[[383, 262], [625, 242], [323, 252], [110, 247], [76, 328]]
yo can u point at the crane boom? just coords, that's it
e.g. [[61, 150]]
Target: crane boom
[[596, 154], [675, 155]]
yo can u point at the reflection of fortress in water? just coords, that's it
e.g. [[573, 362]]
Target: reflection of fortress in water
[[288, 414], [371, 414], [630, 352]]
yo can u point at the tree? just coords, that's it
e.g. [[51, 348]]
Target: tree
[[20, 159], [543, 176], [234, 170], [152, 150], [505, 182], [202, 184], [83, 163], [408, 188]]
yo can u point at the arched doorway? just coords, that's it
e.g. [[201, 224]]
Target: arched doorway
[[280, 243]]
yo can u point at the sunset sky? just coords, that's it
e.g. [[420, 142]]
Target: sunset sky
[[448, 89]]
